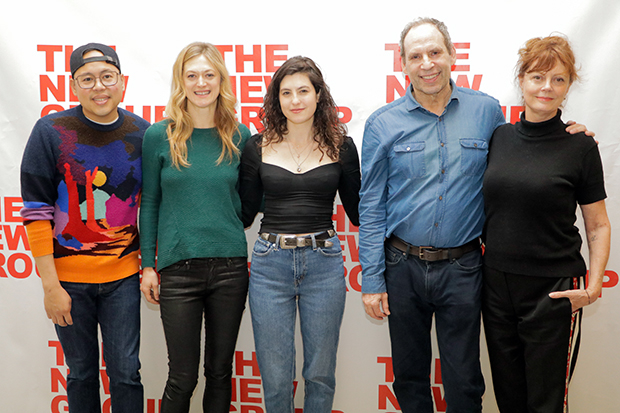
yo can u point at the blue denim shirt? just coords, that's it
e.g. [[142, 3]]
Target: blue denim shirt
[[422, 176]]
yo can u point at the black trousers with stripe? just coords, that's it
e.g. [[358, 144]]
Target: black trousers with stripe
[[529, 337]]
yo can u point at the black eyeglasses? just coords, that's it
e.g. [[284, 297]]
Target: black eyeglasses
[[89, 81]]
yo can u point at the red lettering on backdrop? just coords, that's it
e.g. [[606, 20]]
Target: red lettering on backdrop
[[68, 51], [250, 116], [150, 405], [58, 378], [438, 398], [49, 51], [393, 88], [438, 372], [395, 49], [354, 277], [17, 264], [271, 57], [12, 205], [223, 49], [107, 406], [60, 356], [13, 267], [46, 84], [387, 395], [59, 402], [340, 218], [354, 249], [246, 88], [13, 238], [437, 388], [515, 113], [463, 81], [461, 56], [105, 380], [248, 387], [254, 57], [51, 108], [345, 114], [389, 372], [241, 363], [612, 279]]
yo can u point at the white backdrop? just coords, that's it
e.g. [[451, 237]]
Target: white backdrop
[[354, 45]]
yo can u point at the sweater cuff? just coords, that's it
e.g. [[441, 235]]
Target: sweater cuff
[[40, 237]]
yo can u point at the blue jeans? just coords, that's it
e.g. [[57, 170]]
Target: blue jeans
[[450, 290], [115, 308], [281, 281], [215, 288]]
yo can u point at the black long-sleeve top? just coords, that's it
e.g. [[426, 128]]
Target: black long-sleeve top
[[298, 203]]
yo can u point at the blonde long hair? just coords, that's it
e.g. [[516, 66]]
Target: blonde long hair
[[180, 126]]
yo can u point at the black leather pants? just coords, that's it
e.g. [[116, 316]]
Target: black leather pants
[[217, 288]]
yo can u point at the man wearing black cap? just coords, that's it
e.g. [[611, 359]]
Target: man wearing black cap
[[81, 179]]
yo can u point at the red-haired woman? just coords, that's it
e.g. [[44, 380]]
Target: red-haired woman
[[537, 174]]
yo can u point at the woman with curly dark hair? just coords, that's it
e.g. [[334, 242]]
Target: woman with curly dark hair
[[297, 164]]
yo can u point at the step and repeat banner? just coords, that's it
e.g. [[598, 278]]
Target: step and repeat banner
[[355, 44]]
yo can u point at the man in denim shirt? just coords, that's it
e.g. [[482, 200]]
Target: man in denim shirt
[[421, 214]]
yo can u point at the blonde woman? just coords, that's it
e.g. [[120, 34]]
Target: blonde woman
[[191, 218]]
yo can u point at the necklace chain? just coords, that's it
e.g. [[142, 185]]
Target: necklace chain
[[290, 149]]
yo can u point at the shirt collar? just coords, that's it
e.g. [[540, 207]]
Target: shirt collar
[[413, 104]]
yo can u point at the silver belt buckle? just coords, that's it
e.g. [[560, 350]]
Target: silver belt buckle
[[288, 242]]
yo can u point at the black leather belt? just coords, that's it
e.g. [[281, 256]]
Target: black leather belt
[[290, 241], [433, 254]]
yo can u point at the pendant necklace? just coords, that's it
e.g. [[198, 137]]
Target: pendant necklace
[[296, 159]]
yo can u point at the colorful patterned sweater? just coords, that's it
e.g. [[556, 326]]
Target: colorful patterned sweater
[[81, 184]]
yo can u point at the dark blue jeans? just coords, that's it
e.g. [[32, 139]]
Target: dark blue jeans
[[216, 288], [114, 307], [449, 290]]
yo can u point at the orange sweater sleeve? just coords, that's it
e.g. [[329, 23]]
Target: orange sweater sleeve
[[40, 237]]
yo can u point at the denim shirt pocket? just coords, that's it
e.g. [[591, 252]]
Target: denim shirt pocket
[[473, 156], [410, 158]]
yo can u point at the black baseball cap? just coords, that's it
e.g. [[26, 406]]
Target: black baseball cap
[[109, 56]]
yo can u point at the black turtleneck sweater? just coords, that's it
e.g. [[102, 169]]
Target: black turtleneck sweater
[[537, 174]]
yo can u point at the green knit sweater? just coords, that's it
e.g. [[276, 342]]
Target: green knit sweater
[[194, 212]]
